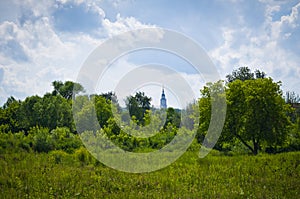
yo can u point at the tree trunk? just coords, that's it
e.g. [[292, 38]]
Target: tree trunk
[[255, 146], [245, 143]]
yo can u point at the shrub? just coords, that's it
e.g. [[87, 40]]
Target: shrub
[[63, 139], [42, 141], [84, 156], [58, 156]]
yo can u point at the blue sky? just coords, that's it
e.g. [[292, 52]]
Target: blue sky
[[43, 41]]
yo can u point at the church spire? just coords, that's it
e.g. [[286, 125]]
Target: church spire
[[163, 100]]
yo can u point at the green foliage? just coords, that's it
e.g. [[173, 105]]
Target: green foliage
[[61, 157], [173, 117], [39, 139], [83, 156], [9, 115], [103, 109], [63, 139], [14, 142], [48, 111], [42, 141], [257, 119], [293, 141], [66, 89], [85, 114], [244, 73], [94, 112], [257, 115], [137, 106], [211, 93]]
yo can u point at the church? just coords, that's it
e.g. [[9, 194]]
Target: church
[[163, 100]]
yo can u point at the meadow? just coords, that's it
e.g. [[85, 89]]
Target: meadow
[[58, 174], [257, 155]]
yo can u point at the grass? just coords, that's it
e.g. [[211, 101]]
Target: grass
[[62, 175]]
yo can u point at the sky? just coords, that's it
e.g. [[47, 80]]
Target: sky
[[46, 40]]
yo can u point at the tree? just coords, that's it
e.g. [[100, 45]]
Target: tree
[[244, 73], [211, 93], [9, 101], [9, 115], [49, 111], [66, 89], [292, 97], [260, 74], [110, 96], [293, 142], [28, 115], [173, 117], [137, 106], [103, 109], [256, 113], [84, 115]]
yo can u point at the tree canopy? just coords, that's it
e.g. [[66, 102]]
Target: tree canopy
[[257, 115], [66, 89], [245, 73], [137, 106]]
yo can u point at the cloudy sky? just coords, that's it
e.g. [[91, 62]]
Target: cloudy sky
[[46, 40]]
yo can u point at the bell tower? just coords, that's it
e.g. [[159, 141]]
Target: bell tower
[[163, 100]]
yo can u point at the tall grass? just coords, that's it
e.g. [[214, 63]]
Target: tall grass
[[62, 175]]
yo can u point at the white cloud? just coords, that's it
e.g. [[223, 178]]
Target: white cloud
[[260, 48], [122, 25], [33, 52], [285, 23], [36, 8], [52, 55], [90, 5]]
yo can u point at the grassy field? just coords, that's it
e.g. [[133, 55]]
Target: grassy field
[[62, 175]]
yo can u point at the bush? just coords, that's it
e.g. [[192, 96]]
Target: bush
[[60, 156], [63, 139], [42, 141], [14, 142], [84, 156]]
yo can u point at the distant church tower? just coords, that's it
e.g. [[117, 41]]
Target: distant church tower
[[163, 100]]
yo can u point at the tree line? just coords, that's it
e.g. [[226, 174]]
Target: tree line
[[258, 118]]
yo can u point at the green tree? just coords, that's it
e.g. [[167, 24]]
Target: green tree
[[42, 141], [256, 113], [244, 73], [53, 111], [103, 105], [212, 92], [292, 97], [85, 114], [173, 117], [9, 115], [66, 89], [28, 116], [137, 106], [256, 116]]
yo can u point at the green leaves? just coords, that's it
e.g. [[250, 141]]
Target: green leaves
[[137, 106], [256, 112], [66, 89]]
